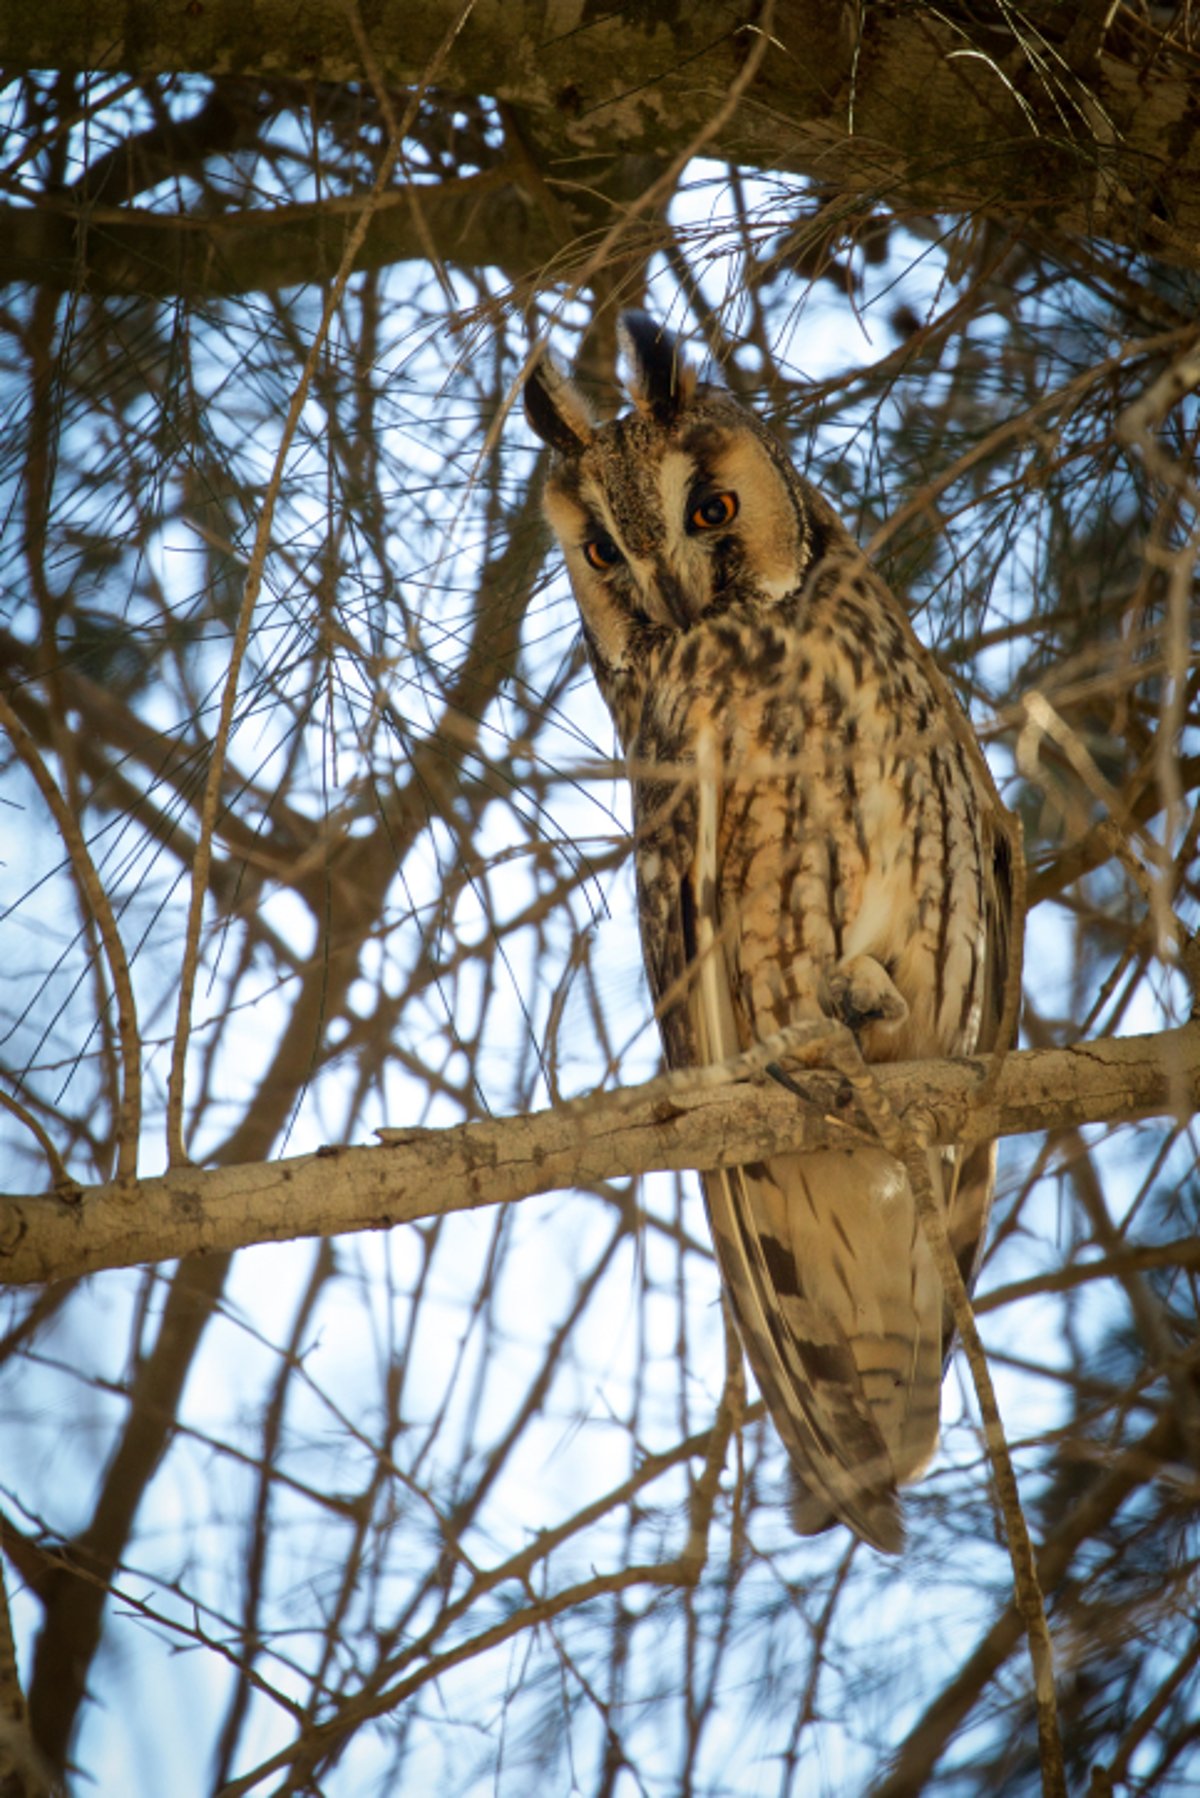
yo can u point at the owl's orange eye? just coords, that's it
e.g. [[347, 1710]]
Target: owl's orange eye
[[711, 513], [602, 553]]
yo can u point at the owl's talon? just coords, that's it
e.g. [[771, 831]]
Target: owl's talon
[[785, 1080]]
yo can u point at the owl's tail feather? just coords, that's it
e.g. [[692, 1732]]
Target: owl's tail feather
[[811, 1516], [827, 1393], [840, 1311]]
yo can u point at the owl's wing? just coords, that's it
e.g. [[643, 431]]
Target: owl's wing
[[837, 1304], [971, 1192]]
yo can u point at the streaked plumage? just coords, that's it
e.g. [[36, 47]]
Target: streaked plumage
[[816, 834]]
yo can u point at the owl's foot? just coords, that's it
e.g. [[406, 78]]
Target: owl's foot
[[862, 992]]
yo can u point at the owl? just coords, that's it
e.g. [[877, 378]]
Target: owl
[[816, 835]]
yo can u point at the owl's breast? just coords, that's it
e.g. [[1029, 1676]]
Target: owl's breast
[[849, 818]]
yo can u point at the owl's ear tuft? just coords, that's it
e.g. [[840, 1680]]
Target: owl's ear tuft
[[556, 410], [660, 380]]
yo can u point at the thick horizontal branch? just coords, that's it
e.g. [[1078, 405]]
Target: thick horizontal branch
[[899, 103], [427, 1173], [478, 220]]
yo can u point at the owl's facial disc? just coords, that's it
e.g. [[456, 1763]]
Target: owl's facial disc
[[677, 522]]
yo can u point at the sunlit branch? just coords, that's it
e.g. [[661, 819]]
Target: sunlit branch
[[674, 1123]]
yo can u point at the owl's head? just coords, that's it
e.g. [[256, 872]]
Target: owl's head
[[676, 511]]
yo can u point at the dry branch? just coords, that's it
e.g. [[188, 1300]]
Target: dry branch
[[428, 1173]]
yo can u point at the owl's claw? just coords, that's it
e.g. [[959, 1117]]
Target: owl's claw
[[785, 1080], [861, 992]]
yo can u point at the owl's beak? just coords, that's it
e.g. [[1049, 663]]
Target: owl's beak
[[673, 597]]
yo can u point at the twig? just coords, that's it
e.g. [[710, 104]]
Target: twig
[[176, 1149], [58, 1166], [1137, 426], [22, 1769], [658, 191], [129, 1113]]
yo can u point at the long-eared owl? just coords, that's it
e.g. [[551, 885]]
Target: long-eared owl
[[816, 834]]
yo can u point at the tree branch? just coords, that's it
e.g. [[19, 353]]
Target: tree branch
[[669, 1124], [1021, 118], [1103, 1495], [60, 242]]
